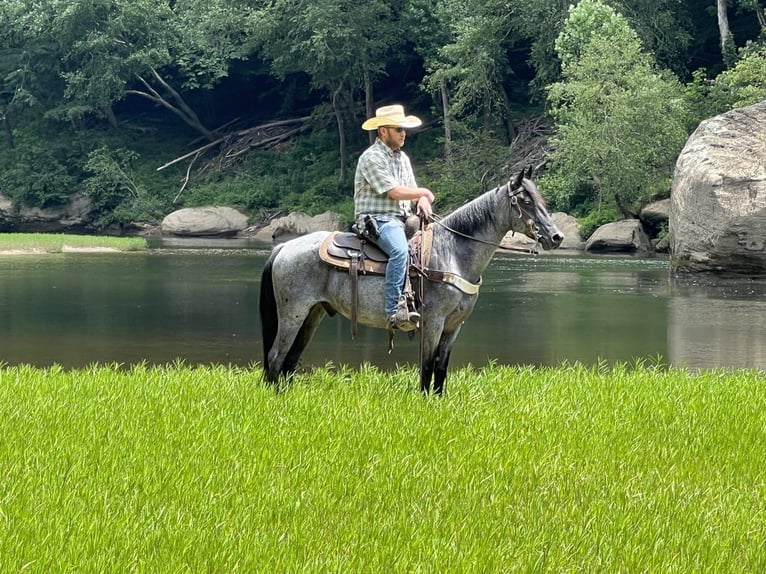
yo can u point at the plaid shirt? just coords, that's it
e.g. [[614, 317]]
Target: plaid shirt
[[379, 170]]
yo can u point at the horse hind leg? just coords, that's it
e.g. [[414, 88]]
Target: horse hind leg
[[283, 361]]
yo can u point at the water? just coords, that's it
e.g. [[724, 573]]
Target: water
[[196, 302]]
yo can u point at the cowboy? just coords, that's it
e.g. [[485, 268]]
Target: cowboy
[[385, 189]]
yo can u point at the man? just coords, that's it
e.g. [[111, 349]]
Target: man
[[385, 189]]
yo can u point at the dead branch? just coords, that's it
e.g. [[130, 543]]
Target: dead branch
[[530, 146]]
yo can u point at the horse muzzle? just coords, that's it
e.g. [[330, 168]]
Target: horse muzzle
[[552, 239]]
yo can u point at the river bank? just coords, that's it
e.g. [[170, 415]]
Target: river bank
[[43, 243]]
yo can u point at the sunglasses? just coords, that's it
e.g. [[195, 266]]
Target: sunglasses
[[397, 130]]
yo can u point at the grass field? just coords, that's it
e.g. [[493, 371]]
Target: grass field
[[56, 243], [517, 469]]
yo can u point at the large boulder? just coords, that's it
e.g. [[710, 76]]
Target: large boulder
[[299, 223], [626, 236], [71, 216], [718, 199], [217, 221]]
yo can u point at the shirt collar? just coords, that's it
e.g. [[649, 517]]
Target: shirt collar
[[388, 150]]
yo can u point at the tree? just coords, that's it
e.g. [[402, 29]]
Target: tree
[[474, 61], [153, 50], [619, 122], [728, 50], [745, 82], [429, 25], [340, 44]]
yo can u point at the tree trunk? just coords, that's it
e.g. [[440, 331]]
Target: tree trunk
[[341, 133], [446, 120], [110, 117], [509, 129], [626, 212], [725, 34], [9, 141], [178, 105], [368, 103]]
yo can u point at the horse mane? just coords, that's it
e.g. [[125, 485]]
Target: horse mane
[[483, 210], [476, 213]]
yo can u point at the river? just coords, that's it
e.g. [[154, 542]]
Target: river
[[196, 302]]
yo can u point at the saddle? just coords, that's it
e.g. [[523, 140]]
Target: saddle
[[349, 251]]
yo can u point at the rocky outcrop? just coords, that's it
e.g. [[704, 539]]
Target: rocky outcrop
[[299, 223], [71, 216], [217, 221], [718, 200], [626, 236], [566, 223]]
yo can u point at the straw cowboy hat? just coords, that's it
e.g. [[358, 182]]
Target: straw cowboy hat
[[391, 116]]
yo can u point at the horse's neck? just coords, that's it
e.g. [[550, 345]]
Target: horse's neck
[[481, 226]]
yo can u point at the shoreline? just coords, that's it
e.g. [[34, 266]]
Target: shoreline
[[64, 249]]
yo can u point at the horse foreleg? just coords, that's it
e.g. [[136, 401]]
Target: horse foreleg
[[292, 339], [429, 352], [441, 360], [426, 374]]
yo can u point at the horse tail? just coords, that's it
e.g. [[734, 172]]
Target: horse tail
[[268, 309]]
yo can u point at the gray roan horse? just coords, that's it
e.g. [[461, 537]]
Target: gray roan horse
[[298, 289]]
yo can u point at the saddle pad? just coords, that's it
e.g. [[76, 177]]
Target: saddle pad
[[333, 254]]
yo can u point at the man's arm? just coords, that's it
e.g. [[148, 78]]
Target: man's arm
[[410, 193], [422, 195]]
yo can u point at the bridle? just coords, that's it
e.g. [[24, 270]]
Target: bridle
[[513, 196]]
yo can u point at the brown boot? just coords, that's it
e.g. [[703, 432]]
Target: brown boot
[[404, 319]]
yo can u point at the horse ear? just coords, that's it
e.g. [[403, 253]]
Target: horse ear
[[516, 181], [530, 171]]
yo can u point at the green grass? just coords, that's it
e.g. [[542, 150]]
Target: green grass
[[517, 469], [56, 243]]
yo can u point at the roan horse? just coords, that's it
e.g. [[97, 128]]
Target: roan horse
[[298, 289]]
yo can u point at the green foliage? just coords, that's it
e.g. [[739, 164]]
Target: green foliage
[[620, 120], [116, 194], [741, 85], [745, 83], [301, 176], [475, 61], [476, 165], [38, 172], [595, 218], [702, 99], [620, 123]]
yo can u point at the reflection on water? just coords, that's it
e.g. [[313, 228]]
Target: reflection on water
[[717, 322], [196, 301]]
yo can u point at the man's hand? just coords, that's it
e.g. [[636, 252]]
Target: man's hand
[[424, 206]]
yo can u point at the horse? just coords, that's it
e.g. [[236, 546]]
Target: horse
[[298, 289]]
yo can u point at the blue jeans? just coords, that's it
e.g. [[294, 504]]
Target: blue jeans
[[393, 241]]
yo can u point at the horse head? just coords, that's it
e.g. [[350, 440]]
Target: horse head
[[532, 212]]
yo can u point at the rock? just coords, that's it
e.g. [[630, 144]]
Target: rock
[[718, 199], [299, 223], [626, 236], [656, 213], [217, 221], [565, 222], [661, 245], [71, 216]]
